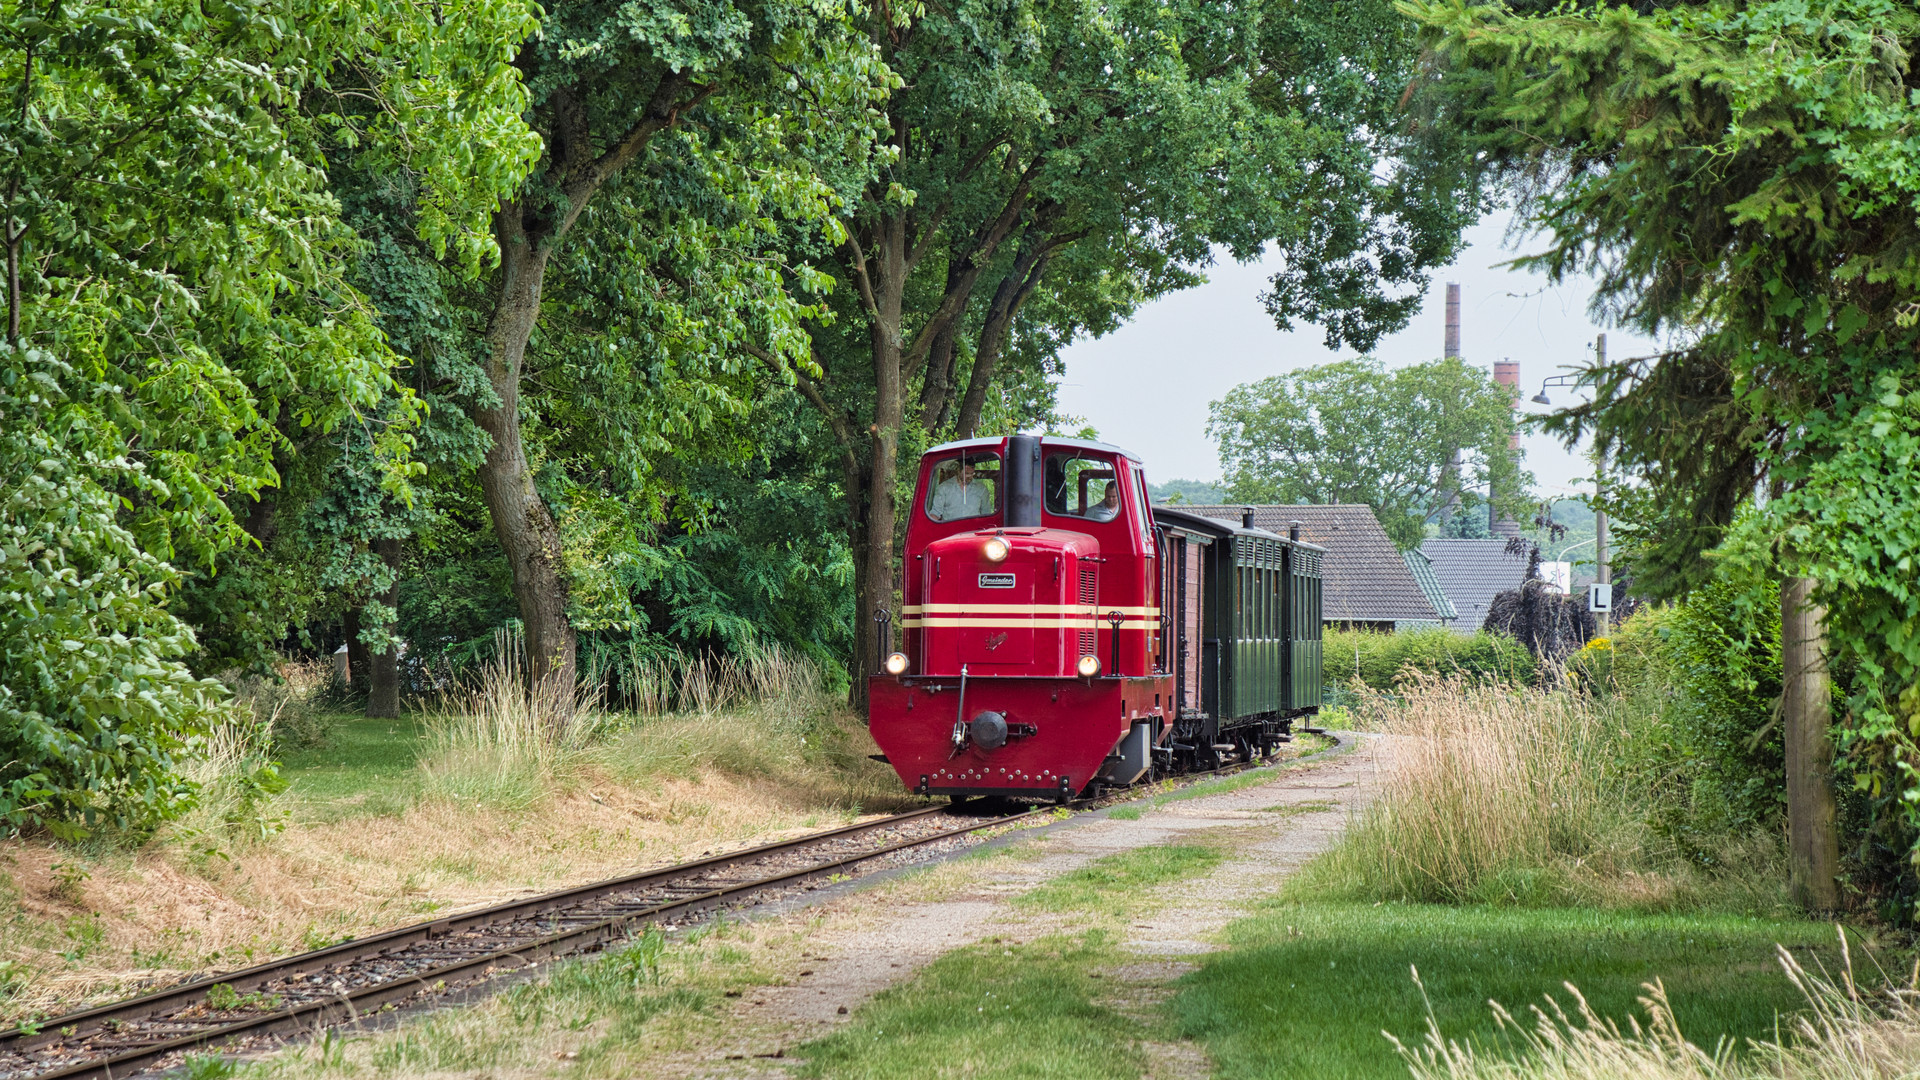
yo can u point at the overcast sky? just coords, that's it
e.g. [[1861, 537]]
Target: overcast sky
[[1147, 385]]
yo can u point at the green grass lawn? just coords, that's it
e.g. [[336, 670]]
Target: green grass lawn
[[1115, 884], [1020, 1012], [365, 767], [1306, 989]]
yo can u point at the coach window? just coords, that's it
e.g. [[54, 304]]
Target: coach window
[[1082, 487], [964, 486], [1241, 595]]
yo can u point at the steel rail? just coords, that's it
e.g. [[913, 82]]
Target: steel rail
[[313, 1015], [319, 1013], [172, 999]]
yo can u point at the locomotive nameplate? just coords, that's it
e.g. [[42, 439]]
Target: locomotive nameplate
[[996, 581]]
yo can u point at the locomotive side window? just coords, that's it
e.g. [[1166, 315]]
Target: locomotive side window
[[966, 486], [1082, 487]]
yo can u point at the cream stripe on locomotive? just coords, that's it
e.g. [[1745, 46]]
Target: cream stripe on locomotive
[[1025, 609], [990, 621]]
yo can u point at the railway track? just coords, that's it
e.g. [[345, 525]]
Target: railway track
[[319, 989]]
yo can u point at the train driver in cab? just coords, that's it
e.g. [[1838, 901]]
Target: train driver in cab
[[960, 494], [1109, 505]]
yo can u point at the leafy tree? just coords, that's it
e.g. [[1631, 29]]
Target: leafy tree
[[94, 703], [1195, 492], [175, 309], [1055, 163], [1356, 432], [1739, 177], [678, 272]]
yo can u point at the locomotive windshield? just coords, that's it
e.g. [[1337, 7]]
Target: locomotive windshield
[[965, 486], [1084, 487]]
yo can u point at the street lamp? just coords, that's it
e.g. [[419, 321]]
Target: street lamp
[[1541, 398]]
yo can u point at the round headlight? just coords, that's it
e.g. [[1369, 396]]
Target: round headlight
[[995, 549], [1089, 666], [897, 663]]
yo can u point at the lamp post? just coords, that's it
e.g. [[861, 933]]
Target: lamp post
[[1602, 537]]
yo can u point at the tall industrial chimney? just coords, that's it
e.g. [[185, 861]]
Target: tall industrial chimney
[[1453, 320], [1507, 374], [1451, 350]]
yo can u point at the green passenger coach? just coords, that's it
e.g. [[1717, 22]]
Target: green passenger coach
[[1241, 607]]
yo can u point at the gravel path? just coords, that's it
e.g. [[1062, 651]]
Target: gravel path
[[1270, 830]]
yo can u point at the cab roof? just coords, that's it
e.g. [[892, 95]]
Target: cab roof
[[1045, 440]]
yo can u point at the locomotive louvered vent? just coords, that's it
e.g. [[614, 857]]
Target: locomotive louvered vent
[[1309, 562], [1089, 596]]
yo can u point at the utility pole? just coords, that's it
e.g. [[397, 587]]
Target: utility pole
[[1602, 571]]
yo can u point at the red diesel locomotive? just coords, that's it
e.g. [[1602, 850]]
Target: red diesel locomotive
[[1060, 633]]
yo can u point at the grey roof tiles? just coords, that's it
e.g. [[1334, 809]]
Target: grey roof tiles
[[1472, 572], [1422, 569], [1364, 577]]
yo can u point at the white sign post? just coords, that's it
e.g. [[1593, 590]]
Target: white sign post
[[1600, 596]]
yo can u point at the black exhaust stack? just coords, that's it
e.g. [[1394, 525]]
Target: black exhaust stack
[[1023, 482], [1246, 517]]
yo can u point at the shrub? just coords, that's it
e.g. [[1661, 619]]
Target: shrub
[[1711, 665], [1723, 656], [290, 703], [95, 705], [1845, 1031], [1355, 658], [1499, 794]]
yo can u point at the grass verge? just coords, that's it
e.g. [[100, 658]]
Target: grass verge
[[384, 822], [1119, 883], [1307, 988], [1506, 795], [1003, 1011], [1844, 1032], [608, 1016], [364, 769]]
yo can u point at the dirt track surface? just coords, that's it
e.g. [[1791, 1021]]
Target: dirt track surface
[[1270, 830]]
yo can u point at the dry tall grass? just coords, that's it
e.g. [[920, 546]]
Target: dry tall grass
[[1510, 795], [1844, 1034], [746, 751], [502, 738], [499, 740]]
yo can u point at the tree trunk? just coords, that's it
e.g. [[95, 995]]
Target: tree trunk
[[1806, 720], [875, 585], [1028, 268], [528, 535], [357, 657], [383, 671], [936, 396]]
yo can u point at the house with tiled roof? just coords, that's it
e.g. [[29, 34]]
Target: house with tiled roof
[[1365, 584], [1421, 568], [1472, 572]]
